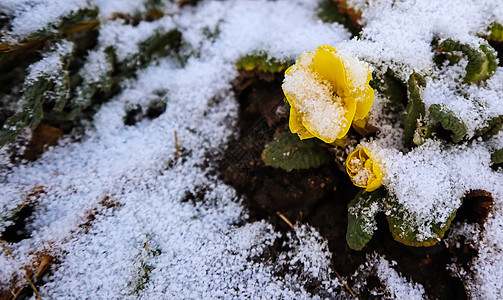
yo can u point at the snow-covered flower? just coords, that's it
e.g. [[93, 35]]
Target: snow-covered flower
[[327, 90], [363, 170]]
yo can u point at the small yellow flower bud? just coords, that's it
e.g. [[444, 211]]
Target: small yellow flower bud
[[363, 170]]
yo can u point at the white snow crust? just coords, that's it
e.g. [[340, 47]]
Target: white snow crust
[[197, 250]]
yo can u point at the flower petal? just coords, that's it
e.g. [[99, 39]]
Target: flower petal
[[377, 171], [289, 70], [363, 154], [344, 125], [374, 185], [377, 181], [350, 106], [295, 123], [350, 170], [368, 164], [330, 68], [363, 106]]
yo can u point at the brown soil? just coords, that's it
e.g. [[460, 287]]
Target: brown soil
[[319, 197]]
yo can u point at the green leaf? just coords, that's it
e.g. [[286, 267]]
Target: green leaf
[[482, 61], [47, 88], [262, 62], [97, 76], [361, 217], [328, 12], [422, 133], [493, 127], [415, 110], [67, 27], [84, 18], [288, 152], [389, 86], [159, 45], [449, 121], [12, 127], [403, 226], [496, 33], [497, 156]]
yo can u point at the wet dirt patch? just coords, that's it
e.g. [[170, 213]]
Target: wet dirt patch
[[21, 218], [26, 286]]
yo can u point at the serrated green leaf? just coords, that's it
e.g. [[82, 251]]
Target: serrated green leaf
[[415, 110], [361, 217], [262, 62], [84, 18], [66, 26], [482, 62], [449, 121], [288, 152], [497, 156], [47, 88], [158, 45], [493, 127]]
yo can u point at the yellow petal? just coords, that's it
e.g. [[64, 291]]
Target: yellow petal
[[296, 126], [350, 107], [368, 164], [363, 106], [344, 123], [374, 185], [377, 170], [289, 71], [377, 181], [326, 47], [363, 154], [349, 170], [330, 68], [369, 76]]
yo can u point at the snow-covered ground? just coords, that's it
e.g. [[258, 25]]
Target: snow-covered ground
[[181, 250]]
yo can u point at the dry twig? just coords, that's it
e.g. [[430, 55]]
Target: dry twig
[[178, 151], [285, 219]]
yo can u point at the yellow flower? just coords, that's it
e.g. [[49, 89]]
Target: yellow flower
[[327, 90], [363, 170]]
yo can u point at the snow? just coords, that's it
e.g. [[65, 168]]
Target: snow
[[34, 15], [474, 105], [397, 286], [398, 34], [125, 38], [154, 245], [50, 65], [95, 68], [201, 253]]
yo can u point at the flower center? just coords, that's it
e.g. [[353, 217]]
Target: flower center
[[363, 174]]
